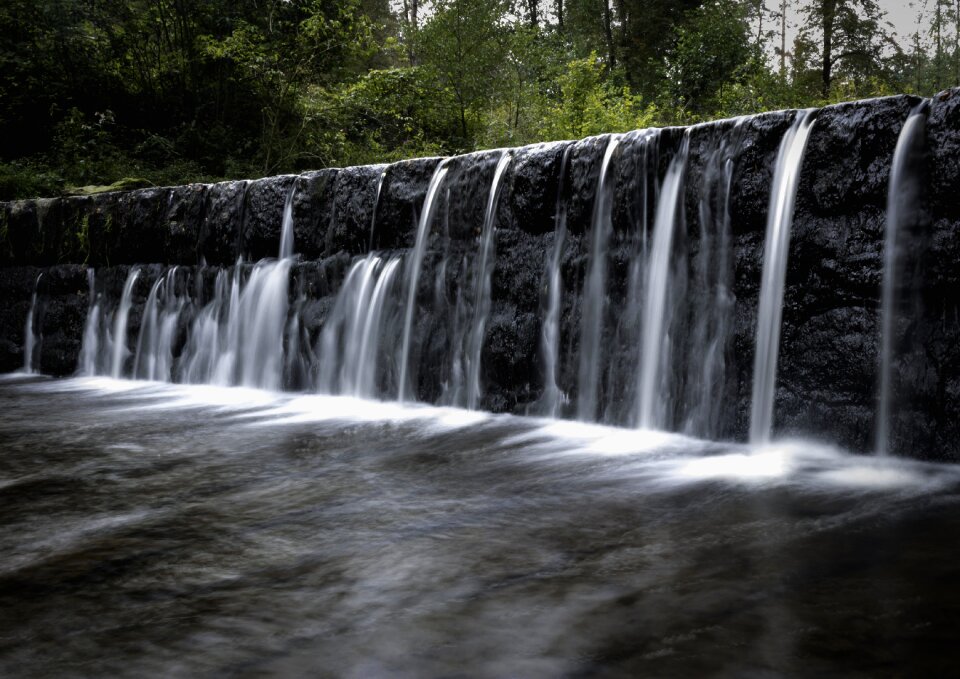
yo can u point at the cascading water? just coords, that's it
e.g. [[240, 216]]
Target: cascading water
[[30, 340], [376, 204], [713, 299], [363, 326], [901, 197], [593, 304], [553, 398], [655, 344], [783, 194], [481, 297], [119, 350], [158, 327], [354, 341], [87, 365], [413, 273], [286, 226]]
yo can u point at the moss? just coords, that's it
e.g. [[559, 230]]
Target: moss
[[125, 184], [83, 237], [7, 247]]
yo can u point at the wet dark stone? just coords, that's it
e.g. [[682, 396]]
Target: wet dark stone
[[401, 200], [529, 196], [223, 216], [184, 225], [312, 207], [830, 336], [263, 216], [351, 217]]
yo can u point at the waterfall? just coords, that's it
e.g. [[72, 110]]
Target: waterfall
[[352, 342], [413, 276], [624, 369], [553, 398], [286, 225], [656, 321], [145, 360], [262, 317], [87, 365], [593, 303], [207, 343], [158, 327], [900, 198], [713, 301], [120, 350], [481, 297], [376, 203], [29, 333], [783, 194]]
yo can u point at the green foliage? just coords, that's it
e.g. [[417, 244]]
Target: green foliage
[[712, 52], [23, 178], [172, 91], [589, 104]]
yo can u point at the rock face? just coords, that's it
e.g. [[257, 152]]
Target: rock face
[[829, 349]]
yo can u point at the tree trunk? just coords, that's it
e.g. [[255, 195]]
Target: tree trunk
[[534, 11], [783, 38], [608, 32], [829, 14], [560, 14]]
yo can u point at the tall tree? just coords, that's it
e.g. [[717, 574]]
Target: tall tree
[[851, 34], [460, 43]]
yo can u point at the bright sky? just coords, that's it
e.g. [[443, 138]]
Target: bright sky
[[903, 16]]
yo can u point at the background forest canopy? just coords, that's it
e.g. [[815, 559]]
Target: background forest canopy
[[94, 92]]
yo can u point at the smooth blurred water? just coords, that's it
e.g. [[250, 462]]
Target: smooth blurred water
[[170, 530]]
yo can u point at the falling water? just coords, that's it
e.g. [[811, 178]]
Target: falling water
[[899, 201], [655, 312], [262, 313], [120, 351], [553, 398], [87, 365], [286, 228], [593, 302], [207, 344], [783, 194], [713, 303], [158, 327], [376, 203], [413, 277], [29, 333], [145, 360], [352, 343], [481, 298]]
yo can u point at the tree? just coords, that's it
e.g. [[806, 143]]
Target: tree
[[460, 43], [712, 49], [852, 38]]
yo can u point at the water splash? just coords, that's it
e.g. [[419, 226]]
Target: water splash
[[783, 195]]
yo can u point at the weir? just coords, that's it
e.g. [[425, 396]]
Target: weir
[[508, 281]]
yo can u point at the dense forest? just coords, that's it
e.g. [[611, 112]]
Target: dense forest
[[127, 92]]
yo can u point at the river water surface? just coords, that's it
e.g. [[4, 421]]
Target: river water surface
[[163, 530]]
